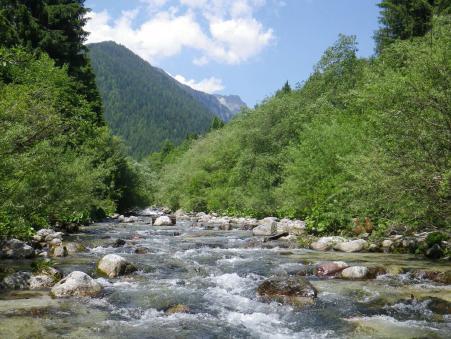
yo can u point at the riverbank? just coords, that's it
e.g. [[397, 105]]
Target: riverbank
[[204, 278]]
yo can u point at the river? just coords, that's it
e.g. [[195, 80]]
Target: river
[[216, 274]]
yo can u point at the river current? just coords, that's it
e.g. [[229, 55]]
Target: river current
[[216, 274]]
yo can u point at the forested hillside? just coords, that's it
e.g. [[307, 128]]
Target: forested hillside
[[59, 163], [146, 106], [360, 139]]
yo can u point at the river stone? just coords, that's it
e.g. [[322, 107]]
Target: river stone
[[326, 243], [355, 272], [270, 227], [434, 252], [163, 221], [294, 290], [113, 265], [16, 249], [58, 251], [77, 284], [330, 268], [17, 281], [41, 281], [351, 246], [295, 227], [74, 247]]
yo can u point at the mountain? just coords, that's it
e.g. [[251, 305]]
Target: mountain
[[146, 106]]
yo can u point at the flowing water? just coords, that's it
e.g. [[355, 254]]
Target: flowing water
[[216, 273]]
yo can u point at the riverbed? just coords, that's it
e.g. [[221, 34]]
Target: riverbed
[[215, 274]]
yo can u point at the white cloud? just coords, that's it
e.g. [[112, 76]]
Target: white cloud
[[209, 85], [231, 34]]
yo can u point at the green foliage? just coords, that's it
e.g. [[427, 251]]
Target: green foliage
[[359, 139], [435, 238], [56, 28], [144, 105], [42, 265], [406, 19]]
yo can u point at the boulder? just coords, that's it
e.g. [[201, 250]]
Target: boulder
[[41, 281], [295, 227], [142, 250], [113, 265], [225, 227], [355, 272], [119, 243], [16, 249], [74, 247], [17, 281], [77, 284], [130, 219], [268, 228], [53, 235], [181, 215], [58, 251], [434, 252], [330, 268], [351, 246], [294, 290], [326, 243], [163, 221]]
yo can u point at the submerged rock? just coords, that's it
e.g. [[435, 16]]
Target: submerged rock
[[355, 272], [180, 308], [163, 221], [326, 243], [113, 265], [330, 268], [119, 243], [77, 284], [351, 246], [294, 290], [16, 249], [268, 228]]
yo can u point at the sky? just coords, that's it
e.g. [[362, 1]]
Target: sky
[[244, 47]]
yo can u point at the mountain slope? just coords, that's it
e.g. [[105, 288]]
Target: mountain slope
[[145, 105], [142, 104]]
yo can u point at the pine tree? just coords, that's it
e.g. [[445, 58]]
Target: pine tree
[[405, 19], [56, 28]]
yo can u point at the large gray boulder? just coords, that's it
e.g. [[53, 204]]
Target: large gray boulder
[[163, 221], [76, 284], [294, 290], [294, 227], [355, 272], [326, 243], [268, 226], [351, 246], [16, 249], [113, 265]]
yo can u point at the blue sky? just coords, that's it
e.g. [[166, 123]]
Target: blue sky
[[244, 47]]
